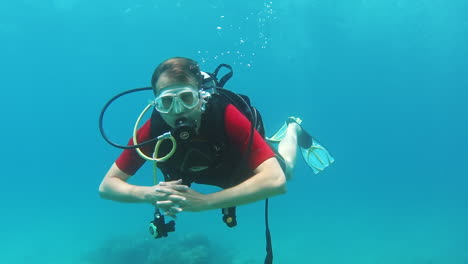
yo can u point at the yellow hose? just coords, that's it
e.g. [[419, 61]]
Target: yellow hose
[[156, 148]]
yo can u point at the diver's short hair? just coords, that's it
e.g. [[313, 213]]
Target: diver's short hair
[[178, 69]]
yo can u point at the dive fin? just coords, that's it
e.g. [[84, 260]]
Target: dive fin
[[317, 157], [314, 154]]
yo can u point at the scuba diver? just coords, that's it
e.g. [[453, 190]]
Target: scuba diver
[[201, 133]]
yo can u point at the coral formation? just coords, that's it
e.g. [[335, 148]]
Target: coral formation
[[189, 249]]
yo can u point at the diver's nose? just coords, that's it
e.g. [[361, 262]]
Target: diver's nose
[[178, 107]]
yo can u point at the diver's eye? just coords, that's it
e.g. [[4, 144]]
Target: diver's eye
[[166, 101], [188, 98]]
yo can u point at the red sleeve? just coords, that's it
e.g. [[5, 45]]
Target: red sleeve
[[130, 161], [238, 132]]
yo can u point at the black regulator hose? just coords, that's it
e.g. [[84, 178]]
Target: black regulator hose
[[228, 94], [101, 117]]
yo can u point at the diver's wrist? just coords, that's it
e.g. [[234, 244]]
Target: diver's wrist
[[210, 202], [141, 194]]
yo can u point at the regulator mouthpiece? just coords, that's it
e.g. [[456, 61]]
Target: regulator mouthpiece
[[184, 129]]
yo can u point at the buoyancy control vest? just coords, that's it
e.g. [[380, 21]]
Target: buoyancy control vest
[[208, 158]]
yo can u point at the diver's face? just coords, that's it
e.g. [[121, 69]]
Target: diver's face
[[175, 100]]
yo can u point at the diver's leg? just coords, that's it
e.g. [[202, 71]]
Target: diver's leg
[[287, 148]]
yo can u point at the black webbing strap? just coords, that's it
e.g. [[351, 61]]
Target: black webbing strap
[[269, 248], [226, 77]]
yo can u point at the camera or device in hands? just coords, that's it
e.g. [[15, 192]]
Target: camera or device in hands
[[159, 228]]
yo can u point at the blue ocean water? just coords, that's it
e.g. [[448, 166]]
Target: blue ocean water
[[382, 84]]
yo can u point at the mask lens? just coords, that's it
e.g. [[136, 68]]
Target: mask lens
[[188, 98], [164, 103]]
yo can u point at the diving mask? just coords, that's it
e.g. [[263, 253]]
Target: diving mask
[[177, 99]]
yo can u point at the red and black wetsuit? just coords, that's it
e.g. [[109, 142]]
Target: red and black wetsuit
[[216, 156]]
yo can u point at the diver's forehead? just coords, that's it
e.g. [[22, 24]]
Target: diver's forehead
[[165, 81], [176, 88]]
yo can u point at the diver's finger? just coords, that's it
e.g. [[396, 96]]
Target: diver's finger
[[164, 203], [163, 190], [167, 187], [170, 183], [181, 188], [176, 209], [176, 198]]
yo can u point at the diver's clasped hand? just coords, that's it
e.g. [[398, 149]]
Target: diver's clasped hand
[[158, 193], [182, 199]]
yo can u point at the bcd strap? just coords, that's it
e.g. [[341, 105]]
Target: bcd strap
[[226, 77], [269, 248]]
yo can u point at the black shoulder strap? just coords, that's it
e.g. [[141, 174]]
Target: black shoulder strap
[[226, 77]]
